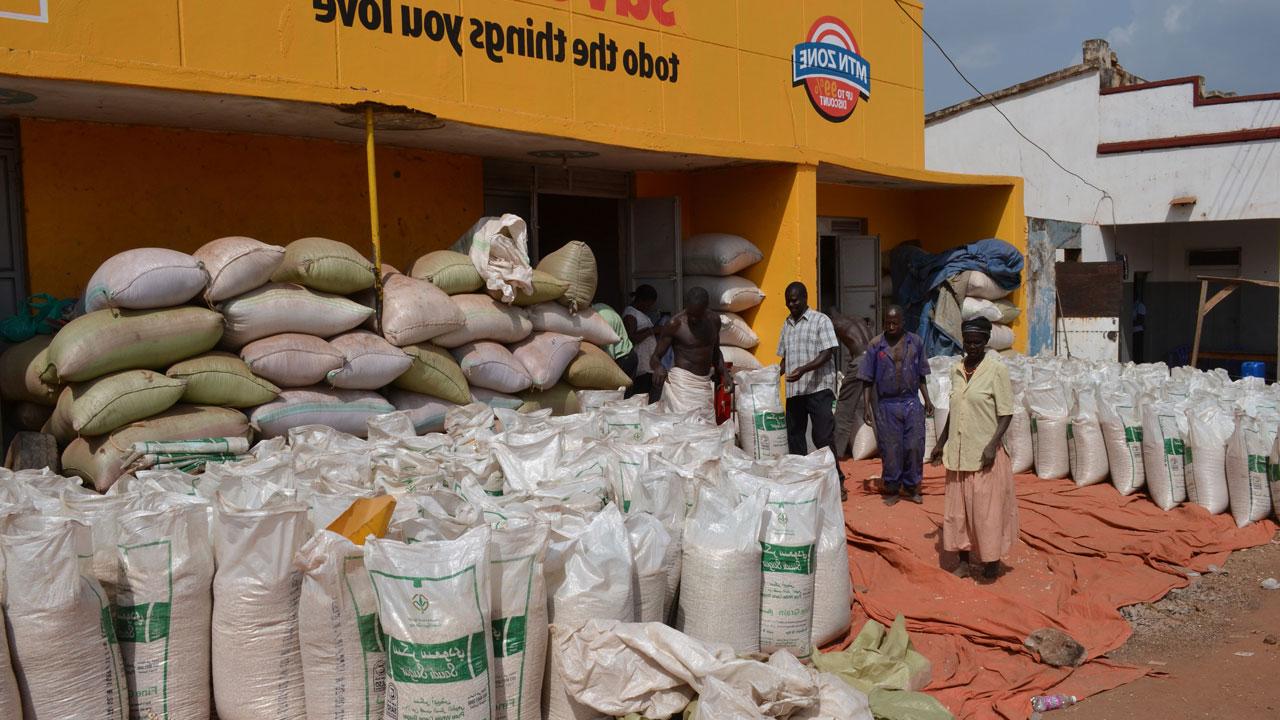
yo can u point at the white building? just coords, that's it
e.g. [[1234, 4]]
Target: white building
[[1192, 183]]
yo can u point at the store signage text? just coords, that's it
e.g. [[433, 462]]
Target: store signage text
[[637, 9], [830, 68], [547, 41]]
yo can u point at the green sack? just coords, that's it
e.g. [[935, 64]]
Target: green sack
[[575, 264], [450, 271], [219, 378], [560, 398], [546, 288], [114, 400], [20, 368], [324, 265], [593, 369], [105, 341], [883, 665], [434, 372]]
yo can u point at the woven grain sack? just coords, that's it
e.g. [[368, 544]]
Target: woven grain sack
[[1209, 429], [105, 341], [20, 368], [546, 356], [546, 288], [59, 424], [735, 332], [292, 360], [425, 412], [588, 577], [10, 697], [1273, 477], [492, 366], [762, 420], [1050, 418], [61, 638], [590, 400], [450, 271], [415, 311], [434, 372], [369, 362], [1248, 468], [650, 541], [434, 608], [219, 378], [561, 399], [575, 264], [237, 265], [346, 411], [1001, 337], [1086, 449], [1017, 439], [833, 588], [586, 323], [1164, 433], [728, 294], [739, 358], [115, 400], [255, 652], [720, 577], [788, 549], [496, 399], [499, 250], [518, 603], [101, 460], [997, 311], [865, 445], [980, 285], [324, 265], [276, 308], [718, 254], [1121, 422], [594, 369], [163, 608], [486, 319], [145, 279], [344, 657]]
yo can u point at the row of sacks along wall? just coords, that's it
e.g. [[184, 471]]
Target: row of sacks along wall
[[243, 338]]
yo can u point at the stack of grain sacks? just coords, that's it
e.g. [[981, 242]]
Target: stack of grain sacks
[[985, 298], [711, 261]]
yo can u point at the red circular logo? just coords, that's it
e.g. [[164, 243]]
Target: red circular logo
[[831, 68]]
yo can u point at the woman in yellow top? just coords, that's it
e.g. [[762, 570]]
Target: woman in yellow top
[[980, 516]]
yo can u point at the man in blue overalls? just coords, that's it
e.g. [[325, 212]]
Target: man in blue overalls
[[894, 368]]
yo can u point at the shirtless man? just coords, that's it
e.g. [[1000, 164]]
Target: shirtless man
[[694, 335]]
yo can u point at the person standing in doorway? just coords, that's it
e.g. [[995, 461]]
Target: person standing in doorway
[[640, 329], [980, 516], [623, 352], [894, 369], [851, 409], [807, 347], [694, 336]]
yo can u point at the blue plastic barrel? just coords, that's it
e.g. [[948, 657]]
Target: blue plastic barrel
[[1253, 369]]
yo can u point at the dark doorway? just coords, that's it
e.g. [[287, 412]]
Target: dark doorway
[[596, 222]]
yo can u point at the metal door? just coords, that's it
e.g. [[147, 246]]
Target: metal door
[[655, 249], [13, 262], [859, 277]]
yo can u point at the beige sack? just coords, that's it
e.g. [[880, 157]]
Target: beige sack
[[731, 294], [586, 323], [575, 264], [415, 311], [425, 412], [20, 368], [452, 272], [718, 254], [434, 372], [369, 362], [109, 340], [740, 358], [292, 359], [546, 288], [346, 411], [59, 424], [492, 366], [980, 285], [735, 332], [277, 308], [325, 265], [144, 279], [223, 379], [237, 265], [111, 401], [487, 319], [546, 356], [594, 369]]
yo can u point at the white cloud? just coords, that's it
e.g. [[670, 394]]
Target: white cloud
[[1121, 36], [978, 57], [1173, 17]]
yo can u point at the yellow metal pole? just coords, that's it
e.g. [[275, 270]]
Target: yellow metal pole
[[371, 162]]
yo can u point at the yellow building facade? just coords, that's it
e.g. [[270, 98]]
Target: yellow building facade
[[173, 122]]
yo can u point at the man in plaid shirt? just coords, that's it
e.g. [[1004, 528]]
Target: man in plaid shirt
[[807, 347]]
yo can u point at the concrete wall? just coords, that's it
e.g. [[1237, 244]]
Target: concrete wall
[[1161, 249]]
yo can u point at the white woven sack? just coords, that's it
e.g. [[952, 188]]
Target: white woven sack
[[256, 657], [728, 294], [788, 564], [499, 249], [545, 356], [486, 319], [292, 360], [1273, 477], [735, 332], [1017, 439], [1209, 429], [1047, 404], [10, 698], [1248, 468], [1121, 422], [237, 265], [427, 413], [1164, 431], [649, 543], [145, 278], [663, 494], [1086, 449], [980, 285], [344, 656], [720, 574], [518, 591], [369, 362], [163, 608], [61, 638], [277, 308], [739, 358], [491, 366], [528, 459], [1001, 337], [434, 608], [592, 400], [718, 254], [586, 323], [347, 411], [864, 443], [762, 419]]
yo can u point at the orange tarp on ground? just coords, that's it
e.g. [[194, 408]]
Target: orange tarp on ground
[[1082, 554]]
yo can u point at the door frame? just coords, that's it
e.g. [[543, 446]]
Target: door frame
[[11, 156]]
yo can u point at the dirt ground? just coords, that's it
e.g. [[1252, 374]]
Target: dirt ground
[[1212, 646]]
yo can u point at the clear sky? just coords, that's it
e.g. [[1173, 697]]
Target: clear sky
[[1234, 44]]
